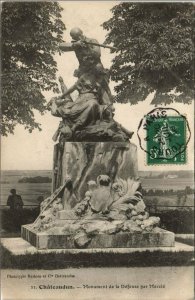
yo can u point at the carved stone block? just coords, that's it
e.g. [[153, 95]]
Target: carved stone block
[[84, 161], [43, 240]]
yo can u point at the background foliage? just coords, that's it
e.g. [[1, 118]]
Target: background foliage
[[155, 51], [31, 33]]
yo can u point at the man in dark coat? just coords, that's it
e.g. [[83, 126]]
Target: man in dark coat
[[14, 201]]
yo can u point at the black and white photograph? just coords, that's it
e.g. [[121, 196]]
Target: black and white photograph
[[97, 150]]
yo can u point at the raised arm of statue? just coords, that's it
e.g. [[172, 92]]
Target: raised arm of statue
[[70, 90], [63, 98]]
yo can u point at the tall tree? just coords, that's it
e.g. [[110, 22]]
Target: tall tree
[[155, 51], [31, 33]]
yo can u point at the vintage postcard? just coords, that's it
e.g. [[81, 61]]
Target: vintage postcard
[[97, 160]]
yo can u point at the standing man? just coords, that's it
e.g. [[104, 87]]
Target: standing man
[[88, 54], [14, 201]]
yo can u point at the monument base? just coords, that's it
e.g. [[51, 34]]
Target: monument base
[[157, 238]]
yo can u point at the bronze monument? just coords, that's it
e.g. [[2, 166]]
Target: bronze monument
[[96, 200]]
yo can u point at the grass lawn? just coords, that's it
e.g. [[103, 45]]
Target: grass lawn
[[99, 259]]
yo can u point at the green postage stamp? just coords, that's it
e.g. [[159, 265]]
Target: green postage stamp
[[164, 134], [168, 137]]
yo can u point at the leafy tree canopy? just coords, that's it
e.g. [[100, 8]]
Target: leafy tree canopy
[[31, 33], [155, 45]]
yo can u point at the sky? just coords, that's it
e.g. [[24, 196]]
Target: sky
[[25, 151]]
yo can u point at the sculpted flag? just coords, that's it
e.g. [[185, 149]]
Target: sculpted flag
[[101, 202]]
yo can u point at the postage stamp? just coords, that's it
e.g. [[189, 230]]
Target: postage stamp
[[164, 134]]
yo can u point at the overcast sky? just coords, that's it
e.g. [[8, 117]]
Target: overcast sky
[[25, 151]]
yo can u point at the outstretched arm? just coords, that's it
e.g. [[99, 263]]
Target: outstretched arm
[[71, 46], [66, 47]]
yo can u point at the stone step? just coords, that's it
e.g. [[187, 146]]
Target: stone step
[[18, 246]]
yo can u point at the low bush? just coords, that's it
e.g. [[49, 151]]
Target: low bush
[[11, 221], [177, 221]]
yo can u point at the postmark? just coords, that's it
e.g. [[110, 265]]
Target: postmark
[[164, 134]]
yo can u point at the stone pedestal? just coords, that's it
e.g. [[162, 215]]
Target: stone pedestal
[[84, 161], [157, 238], [100, 206]]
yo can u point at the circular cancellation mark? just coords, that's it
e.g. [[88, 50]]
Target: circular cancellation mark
[[164, 134]]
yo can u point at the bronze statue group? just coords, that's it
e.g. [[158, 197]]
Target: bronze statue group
[[93, 109]]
